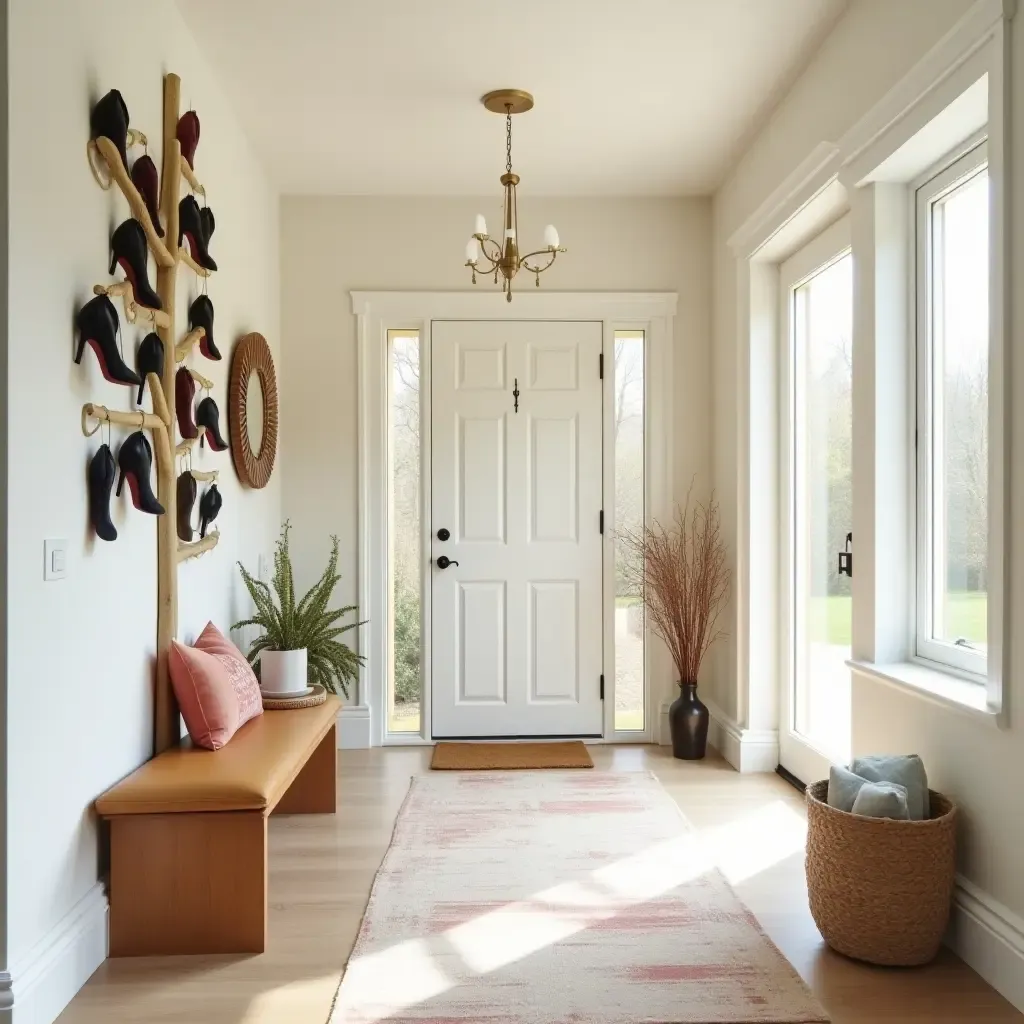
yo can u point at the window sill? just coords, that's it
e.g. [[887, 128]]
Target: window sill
[[936, 687]]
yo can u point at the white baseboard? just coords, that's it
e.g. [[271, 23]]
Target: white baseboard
[[989, 938], [45, 981], [354, 727], [747, 750]]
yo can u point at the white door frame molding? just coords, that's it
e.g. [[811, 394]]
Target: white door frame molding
[[379, 312]]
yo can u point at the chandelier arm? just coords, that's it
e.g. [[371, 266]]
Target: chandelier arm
[[550, 253], [485, 253], [492, 264]]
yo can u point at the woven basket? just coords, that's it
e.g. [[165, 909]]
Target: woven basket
[[879, 889]]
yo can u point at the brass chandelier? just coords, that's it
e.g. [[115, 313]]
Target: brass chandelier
[[503, 257]]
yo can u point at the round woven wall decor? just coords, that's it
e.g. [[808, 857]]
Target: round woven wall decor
[[252, 356]]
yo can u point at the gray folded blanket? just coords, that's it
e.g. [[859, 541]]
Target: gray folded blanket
[[899, 787]]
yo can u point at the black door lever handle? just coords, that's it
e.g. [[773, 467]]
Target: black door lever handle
[[443, 561]]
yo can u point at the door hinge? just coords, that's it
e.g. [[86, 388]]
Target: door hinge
[[602, 687], [600, 365], [600, 521]]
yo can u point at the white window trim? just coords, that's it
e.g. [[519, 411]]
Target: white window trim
[[379, 312], [937, 182]]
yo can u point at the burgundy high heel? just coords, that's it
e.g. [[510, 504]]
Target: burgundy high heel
[[188, 136], [184, 396], [147, 181]]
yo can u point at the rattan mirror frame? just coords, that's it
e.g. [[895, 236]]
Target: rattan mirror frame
[[252, 355]]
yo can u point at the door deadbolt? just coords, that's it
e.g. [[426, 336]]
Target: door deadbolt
[[444, 533]]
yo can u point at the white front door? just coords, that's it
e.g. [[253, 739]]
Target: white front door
[[516, 482]]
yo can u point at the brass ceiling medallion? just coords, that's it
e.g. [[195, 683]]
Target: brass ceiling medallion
[[503, 256]]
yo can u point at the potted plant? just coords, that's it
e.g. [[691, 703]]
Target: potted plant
[[683, 580], [299, 645]]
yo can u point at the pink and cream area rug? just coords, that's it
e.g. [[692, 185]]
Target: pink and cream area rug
[[558, 898]]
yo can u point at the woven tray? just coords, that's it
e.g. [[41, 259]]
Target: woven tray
[[318, 696]]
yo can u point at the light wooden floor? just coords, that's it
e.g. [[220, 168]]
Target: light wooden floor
[[321, 869]]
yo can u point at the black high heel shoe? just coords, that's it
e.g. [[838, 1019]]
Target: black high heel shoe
[[101, 481], [135, 457], [186, 499], [188, 135], [147, 181], [129, 250], [190, 226], [184, 396], [209, 223], [209, 506], [208, 415], [150, 359], [109, 120], [98, 324], [200, 314]]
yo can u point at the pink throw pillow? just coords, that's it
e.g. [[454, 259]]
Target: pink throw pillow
[[205, 695], [243, 679]]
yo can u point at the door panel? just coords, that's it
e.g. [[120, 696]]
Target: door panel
[[482, 665], [517, 619], [553, 641], [553, 473], [481, 479]]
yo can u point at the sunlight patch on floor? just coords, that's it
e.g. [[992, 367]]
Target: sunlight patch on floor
[[757, 841]]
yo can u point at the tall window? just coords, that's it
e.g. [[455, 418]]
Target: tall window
[[953, 414], [405, 668], [629, 517], [821, 508]]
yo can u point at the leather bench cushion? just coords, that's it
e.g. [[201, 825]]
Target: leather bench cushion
[[252, 772]]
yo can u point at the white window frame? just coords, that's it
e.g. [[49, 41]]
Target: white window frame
[[938, 182], [797, 752]]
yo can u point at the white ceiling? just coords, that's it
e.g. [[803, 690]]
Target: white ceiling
[[634, 97]]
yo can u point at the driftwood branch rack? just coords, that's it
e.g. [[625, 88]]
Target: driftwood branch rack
[[108, 169]]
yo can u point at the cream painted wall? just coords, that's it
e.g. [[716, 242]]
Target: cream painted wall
[[80, 654], [980, 766], [330, 246]]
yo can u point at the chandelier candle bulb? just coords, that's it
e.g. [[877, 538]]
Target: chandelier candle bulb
[[472, 251], [481, 225], [550, 237]]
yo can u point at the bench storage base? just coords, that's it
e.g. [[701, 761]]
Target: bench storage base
[[196, 882]]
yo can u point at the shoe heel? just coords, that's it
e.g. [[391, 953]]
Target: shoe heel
[[120, 483], [81, 347], [113, 262]]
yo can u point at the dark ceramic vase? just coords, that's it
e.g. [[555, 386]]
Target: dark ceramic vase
[[688, 720]]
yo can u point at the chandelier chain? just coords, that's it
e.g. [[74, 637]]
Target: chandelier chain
[[508, 138]]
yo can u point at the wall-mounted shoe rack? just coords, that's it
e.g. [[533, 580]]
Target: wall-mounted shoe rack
[[169, 256]]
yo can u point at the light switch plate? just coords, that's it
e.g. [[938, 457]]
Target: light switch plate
[[55, 559]]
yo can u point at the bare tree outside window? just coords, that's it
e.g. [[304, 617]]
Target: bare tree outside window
[[629, 520], [406, 668]]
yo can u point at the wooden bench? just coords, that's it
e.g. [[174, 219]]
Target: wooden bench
[[188, 833]]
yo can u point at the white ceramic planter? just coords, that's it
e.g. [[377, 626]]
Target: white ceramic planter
[[283, 671]]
